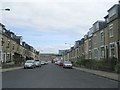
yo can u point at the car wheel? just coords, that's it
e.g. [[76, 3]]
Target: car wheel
[[32, 67]]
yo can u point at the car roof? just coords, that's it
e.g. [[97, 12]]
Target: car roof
[[30, 60]]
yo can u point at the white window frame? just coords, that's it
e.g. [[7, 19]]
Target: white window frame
[[94, 39], [101, 36], [90, 54], [4, 57], [95, 53], [90, 43], [0, 55], [111, 30], [111, 49], [102, 52]]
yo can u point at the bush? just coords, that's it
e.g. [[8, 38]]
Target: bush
[[117, 68], [105, 65]]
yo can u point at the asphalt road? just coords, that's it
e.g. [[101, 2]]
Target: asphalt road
[[53, 76]]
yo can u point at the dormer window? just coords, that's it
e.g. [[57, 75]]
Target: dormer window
[[112, 12]]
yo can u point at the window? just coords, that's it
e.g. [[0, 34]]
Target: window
[[90, 54], [4, 57], [90, 43], [0, 29], [8, 46], [95, 39], [2, 42], [95, 53], [102, 52], [8, 57], [111, 30], [97, 26], [112, 50], [112, 12], [0, 55], [101, 36], [13, 46]]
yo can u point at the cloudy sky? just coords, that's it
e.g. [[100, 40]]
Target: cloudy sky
[[48, 24]]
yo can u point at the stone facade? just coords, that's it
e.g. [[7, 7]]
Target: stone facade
[[11, 49], [102, 40]]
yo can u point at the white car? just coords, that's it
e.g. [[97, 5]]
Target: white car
[[42, 62], [37, 63], [58, 62], [46, 62], [29, 64], [67, 64]]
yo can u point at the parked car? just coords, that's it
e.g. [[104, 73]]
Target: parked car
[[37, 63], [58, 62], [46, 62], [61, 63], [67, 64], [29, 64], [49, 61], [55, 62], [42, 62]]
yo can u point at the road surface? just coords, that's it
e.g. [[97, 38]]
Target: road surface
[[53, 76]]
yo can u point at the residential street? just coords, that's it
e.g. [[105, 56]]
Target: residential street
[[53, 76]]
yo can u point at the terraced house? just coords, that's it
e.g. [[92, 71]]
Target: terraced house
[[12, 49], [112, 30], [98, 40], [102, 40], [1, 42]]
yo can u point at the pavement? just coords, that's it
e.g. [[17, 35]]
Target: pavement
[[113, 76], [10, 69]]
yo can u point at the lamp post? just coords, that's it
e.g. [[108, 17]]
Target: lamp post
[[6, 9]]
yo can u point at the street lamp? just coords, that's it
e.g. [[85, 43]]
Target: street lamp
[[6, 9]]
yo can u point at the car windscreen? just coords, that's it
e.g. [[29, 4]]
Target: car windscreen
[[67, 62], [29, 61], [37, 60]]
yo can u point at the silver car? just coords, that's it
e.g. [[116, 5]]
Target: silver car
[[42, 62], [67, 64], [29, 64], [37, 63]]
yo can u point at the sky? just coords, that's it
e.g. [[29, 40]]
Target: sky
[[48, 24]]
